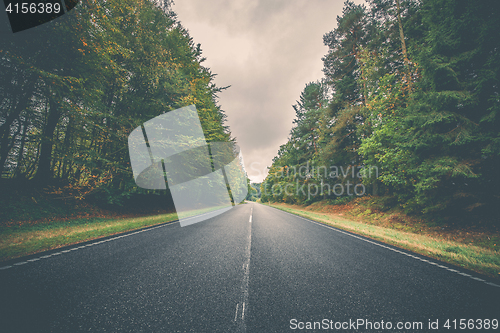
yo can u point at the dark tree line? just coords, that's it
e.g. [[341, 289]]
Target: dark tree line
[[410, 90], [73, 89]]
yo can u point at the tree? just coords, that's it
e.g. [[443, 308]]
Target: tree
[[82, 83]]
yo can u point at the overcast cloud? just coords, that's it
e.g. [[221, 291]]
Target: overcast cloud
[[266, 50]]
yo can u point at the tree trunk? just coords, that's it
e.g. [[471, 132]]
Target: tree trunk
[[22, 102], [375, 187], [20, 156], [65, 164], [403, 45], [44, 172]]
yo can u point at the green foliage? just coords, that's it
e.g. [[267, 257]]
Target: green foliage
[[81, 84], [425, 120], [253, 192]]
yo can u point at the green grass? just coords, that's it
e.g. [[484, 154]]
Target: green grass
[[25, 239], [17, 241], [477, 258]]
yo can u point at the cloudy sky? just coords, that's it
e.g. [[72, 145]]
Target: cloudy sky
[[266, 50]]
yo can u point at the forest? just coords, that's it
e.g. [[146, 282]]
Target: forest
[[407, 112], [73, 90]]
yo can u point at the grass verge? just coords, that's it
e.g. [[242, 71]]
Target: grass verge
[[473, 257], [25, 239]]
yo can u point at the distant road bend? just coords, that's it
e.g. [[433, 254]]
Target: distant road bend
[[251, 269]]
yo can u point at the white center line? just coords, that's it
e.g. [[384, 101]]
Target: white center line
[[236, 313], [240, 322]]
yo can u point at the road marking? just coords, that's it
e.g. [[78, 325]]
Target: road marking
[[5, 267], [250, 219], [240, 320], [20, 263], [390, 248], [236, 313]]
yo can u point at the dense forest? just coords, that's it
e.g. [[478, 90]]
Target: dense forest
[[73, 89], [407, 111]]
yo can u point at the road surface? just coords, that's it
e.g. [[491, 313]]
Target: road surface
[[251, 269]]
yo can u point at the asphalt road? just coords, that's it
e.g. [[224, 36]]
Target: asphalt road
[[251, 269]]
